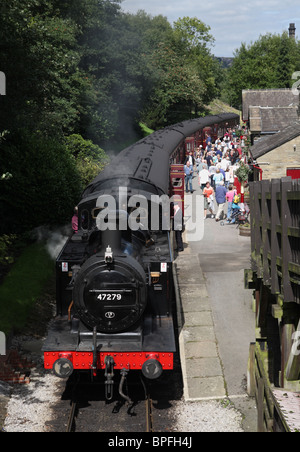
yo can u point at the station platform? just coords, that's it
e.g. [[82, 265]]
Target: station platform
[[216, 321], [201, 365]]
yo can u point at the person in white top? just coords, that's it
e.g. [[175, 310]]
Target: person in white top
[[204, 177]]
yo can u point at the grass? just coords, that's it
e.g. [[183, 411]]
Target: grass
[[217, 107], [22, 287]]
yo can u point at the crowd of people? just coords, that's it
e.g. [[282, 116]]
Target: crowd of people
[[215, 165]]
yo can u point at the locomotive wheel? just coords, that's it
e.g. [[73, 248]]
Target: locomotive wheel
[[287, 332]]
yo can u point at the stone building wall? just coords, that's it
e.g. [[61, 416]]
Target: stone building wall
[[280, 159]]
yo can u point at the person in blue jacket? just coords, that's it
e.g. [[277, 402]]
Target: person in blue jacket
[[220, 199]]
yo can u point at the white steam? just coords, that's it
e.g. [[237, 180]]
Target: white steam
[[54, 239]]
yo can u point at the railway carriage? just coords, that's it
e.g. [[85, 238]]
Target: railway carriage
[[115, 276]]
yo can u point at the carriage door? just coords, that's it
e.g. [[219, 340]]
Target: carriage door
[[177, 183]]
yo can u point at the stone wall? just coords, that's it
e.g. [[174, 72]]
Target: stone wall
[[280, 159]]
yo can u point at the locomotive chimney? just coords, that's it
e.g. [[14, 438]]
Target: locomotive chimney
[[292, 31], [111, 236]]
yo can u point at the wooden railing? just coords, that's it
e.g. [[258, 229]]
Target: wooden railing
[[269, 415], [275, 235], [275, 278]]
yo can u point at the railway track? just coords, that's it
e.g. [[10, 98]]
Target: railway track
[[148, 412], [149, 416], [83, 407], [71, 418]]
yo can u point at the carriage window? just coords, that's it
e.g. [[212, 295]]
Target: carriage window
[[85, 220], [177, 182], [95, 212]]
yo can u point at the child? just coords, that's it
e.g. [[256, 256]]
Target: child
[[208, 193]]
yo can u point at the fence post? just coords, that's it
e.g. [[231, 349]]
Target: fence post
[[260, 406], [286, 223], [251, 386]]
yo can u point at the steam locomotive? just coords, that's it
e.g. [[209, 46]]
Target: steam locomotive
[[115, 276]]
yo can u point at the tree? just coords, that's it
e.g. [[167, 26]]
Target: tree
[[267, 63], [45, 185], [90, 158], [117, 56], [177, 91], [40, 58], [192, 37]]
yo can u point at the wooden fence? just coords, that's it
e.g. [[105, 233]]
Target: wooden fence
[[270, 417], [275, 235], [275, 276]]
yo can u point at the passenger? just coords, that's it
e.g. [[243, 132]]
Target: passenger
[[218, 178], [209, 159], [212, 172], [209, 147], [208, 139], [215, 158], [221, 200], [188, 171], [190, 158], [202, 164], [198, 162], [235, 208], [208, 193], [219, 152], [75, 221], [229, 196], [178, 226], [204, 177], [225, 163], [227, 178]]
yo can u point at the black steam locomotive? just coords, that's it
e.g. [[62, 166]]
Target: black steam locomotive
[[114, 277]]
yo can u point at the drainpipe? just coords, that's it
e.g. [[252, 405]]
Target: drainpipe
[[260, 171]]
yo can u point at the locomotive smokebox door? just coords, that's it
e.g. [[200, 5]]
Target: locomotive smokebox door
[[111, 297]]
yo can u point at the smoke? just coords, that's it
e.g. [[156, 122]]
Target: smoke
[[54, 239]]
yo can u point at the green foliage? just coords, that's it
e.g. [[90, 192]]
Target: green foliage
[[40, 59], [45, 185], [90, 158], [22, 286], [242, 173], [178, 90], [192, 38], [145, 129], [6, 241], [193, 33], [86, 67], [267, 63], [81, 73]]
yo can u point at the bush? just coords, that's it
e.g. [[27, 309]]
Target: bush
[[45, 183], [6, 241], [90, 158], [22, 287]]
